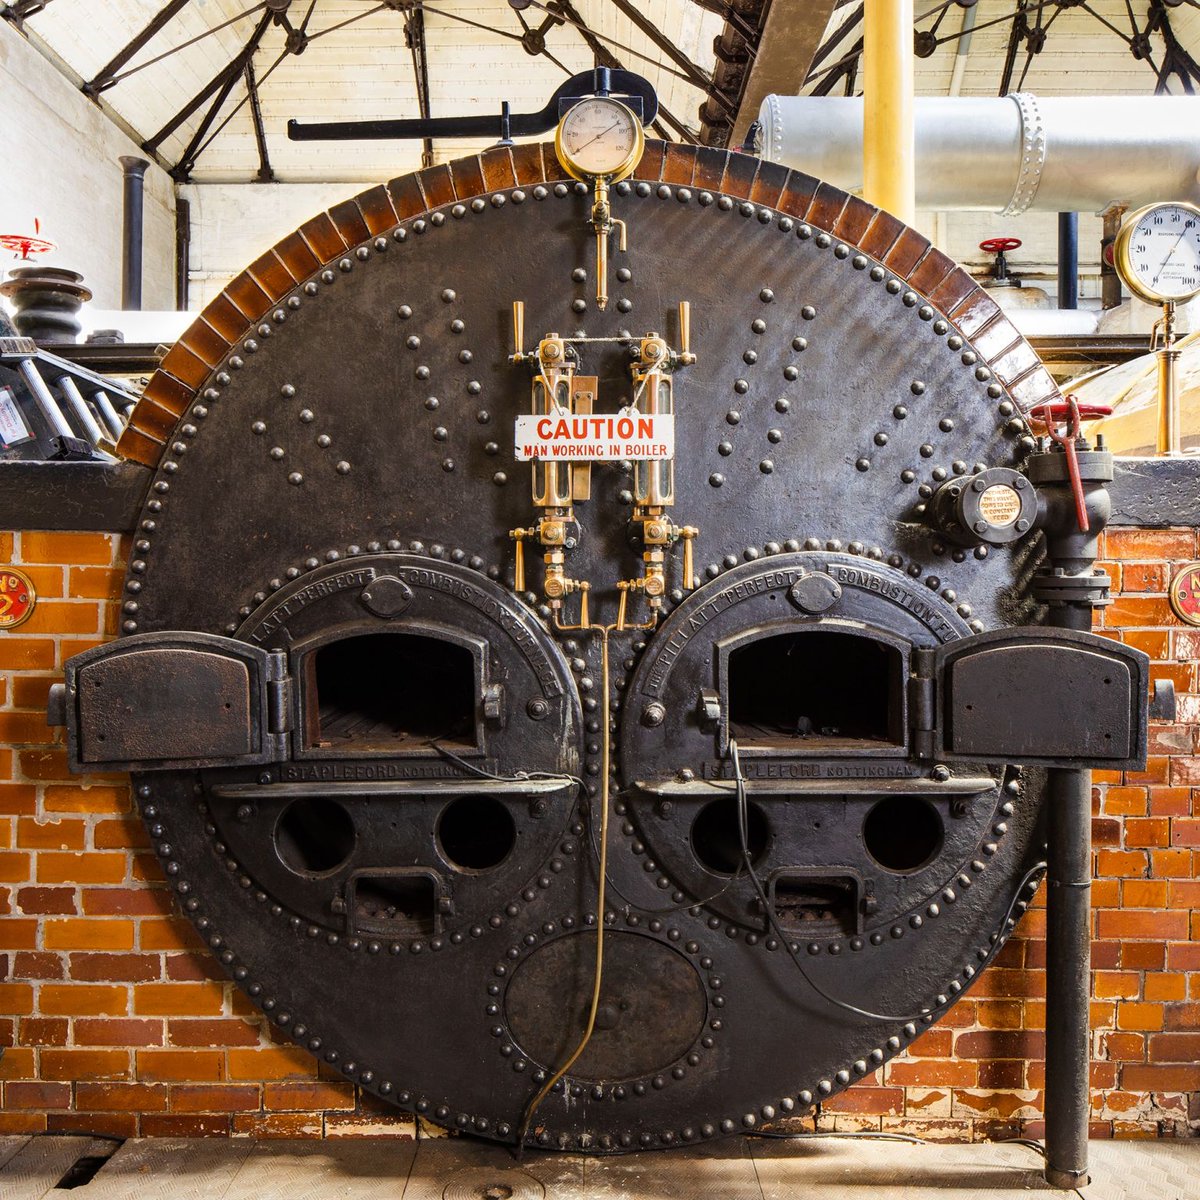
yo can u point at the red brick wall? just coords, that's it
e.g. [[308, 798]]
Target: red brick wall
[[117, 1020]]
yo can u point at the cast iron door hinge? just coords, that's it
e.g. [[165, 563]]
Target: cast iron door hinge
[[922, 695]]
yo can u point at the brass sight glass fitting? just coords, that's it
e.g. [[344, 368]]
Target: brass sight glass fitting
[[557, 388]]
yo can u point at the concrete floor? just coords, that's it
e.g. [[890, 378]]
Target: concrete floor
[[453, 1169]]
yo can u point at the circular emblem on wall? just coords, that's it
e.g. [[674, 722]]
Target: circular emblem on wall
[[17, 598], [1185, 594]]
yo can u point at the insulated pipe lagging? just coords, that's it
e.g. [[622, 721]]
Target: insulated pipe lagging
[[1011, 155]]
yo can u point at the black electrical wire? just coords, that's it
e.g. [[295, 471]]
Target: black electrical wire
[[698, 902], [925, 1014], [516, 777]]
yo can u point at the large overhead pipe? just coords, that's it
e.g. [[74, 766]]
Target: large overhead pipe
[[1014, 154], [887, 111], [131, 234]]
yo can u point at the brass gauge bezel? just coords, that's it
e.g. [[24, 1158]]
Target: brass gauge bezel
[[628, 164], [1123, 262]]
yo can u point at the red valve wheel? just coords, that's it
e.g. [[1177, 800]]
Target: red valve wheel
[[24, 246], [1000, 245], [1058, 410]]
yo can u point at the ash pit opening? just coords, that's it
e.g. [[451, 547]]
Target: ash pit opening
[[810, 904], [817, 690], [402, 905], [903, 833], [476, 833], [717, 842], [314, 836], [388, 692]]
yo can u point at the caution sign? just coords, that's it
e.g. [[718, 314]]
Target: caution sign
[[578, 437]]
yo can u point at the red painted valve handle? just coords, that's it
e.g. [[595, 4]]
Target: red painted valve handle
[[1058, 410], [1000, 245]]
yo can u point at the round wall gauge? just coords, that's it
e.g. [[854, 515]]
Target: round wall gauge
[[599, 138], [1157, 252]]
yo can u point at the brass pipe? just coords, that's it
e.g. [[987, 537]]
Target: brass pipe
[[889, 178], [1169, 433]]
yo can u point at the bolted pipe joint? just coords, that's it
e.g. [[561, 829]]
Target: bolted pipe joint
[[994, 507]]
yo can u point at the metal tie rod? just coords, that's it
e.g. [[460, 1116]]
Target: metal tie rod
[[111, 417], [44, 398], [79, 407]]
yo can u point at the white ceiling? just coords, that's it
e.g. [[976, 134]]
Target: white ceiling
[[365, 69]]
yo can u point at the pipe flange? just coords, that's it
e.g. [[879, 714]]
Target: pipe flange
[[772, 129], [1033, 154], [1055, 587]]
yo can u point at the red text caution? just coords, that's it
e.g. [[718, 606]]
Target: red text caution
[[607, 436]]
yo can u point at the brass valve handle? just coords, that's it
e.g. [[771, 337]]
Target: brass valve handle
[[685, 356], [518, 313], [519, 536], [688, 534]]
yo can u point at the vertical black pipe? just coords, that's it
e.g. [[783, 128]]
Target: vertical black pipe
[[1070, 555], [1068, 977], [131, 235], [1068, 260], [183, 251]]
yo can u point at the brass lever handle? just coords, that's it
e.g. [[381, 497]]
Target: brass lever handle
[[688, 534], [518, 330], [686, 357], [519, 536]]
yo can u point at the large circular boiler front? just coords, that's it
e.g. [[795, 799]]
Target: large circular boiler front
[[400, 864]]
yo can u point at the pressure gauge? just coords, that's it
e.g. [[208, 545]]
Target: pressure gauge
[[599, 138], [1157, 252]]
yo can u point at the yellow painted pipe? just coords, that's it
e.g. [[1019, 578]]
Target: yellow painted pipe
[[889, 178]]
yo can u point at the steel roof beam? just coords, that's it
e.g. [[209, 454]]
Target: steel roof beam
[[265, 173], [18, 10], [224, 79], [701, 78], [106, 76], [414, 35], [790, 38]]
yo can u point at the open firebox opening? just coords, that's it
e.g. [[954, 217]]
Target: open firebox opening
[[388, 692], [815, 689]]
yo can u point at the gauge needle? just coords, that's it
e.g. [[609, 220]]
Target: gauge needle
[[1174, 246], [597, 137]]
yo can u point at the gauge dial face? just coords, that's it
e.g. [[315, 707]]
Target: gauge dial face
[[600, 137], [1158, 252]]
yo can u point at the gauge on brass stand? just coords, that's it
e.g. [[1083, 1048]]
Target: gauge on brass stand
[[600, 141], [1157, 255]]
